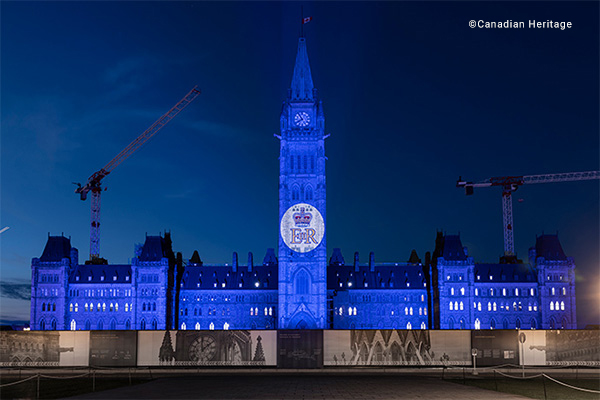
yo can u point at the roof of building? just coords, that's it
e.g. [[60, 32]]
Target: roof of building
[[302, 83], [101, 274], [155, 248], [384, 276], [213, 277], [548, 246], [453, 249], [491, 273], [57, 248]]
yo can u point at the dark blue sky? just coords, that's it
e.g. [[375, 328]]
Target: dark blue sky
[[413, 98]]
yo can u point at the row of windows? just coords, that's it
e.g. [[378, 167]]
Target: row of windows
[[51, 307], [407, 311], [555, 306], [223, 284], [256, 298], [48, 278], [47, 292], [149, 278], [305, 193], [102, 307], [300, 164], [382, 284], [101, 292], [211, 326], [505, 324], [102, 277]]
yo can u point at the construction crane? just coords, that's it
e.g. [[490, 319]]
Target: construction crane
[[511, 183], [94, 183]]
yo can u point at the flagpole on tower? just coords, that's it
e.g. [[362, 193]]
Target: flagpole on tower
[[302, 21]]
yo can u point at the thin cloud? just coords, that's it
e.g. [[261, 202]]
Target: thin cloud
[[15, 290]]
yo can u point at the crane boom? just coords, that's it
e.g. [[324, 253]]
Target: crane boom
[[511, 183], [94, 181]]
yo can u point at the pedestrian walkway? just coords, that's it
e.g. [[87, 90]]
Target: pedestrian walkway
[[305, 386]]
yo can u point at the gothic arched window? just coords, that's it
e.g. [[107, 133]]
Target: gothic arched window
[[302, 280], [308, 193], [73, 325], [295, 193], [42, 325]]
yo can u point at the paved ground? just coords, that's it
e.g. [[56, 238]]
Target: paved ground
[[304, 386]]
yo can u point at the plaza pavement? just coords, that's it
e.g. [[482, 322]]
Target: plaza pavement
[[300, 386]]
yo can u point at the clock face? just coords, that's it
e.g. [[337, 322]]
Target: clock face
[[203, 349], [302, 119]]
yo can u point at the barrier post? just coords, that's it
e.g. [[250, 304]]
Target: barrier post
[[474, 354], [495, 381], [544, 382]]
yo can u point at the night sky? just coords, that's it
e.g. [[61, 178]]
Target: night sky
[[413, 99]]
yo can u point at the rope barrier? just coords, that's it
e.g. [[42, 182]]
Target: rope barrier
[[21, 381], [570, 386], [518, 377], [64, 377]]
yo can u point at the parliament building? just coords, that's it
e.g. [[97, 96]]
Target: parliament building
[[297, 287]]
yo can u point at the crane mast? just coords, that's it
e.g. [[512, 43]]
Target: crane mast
[[94, 183], [510, 184]]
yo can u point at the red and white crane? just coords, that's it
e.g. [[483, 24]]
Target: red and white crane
[[94, 182], [511, 183]]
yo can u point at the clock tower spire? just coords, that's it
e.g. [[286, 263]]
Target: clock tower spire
[[302, 195]]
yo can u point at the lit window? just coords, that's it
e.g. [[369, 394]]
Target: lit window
[[494, 306], [349, 284], [116, 306], [256, 311], [456, 305], [256, 284], [423, 326], [535, 307], [98, 307], [103, 307], [451, 306], [556, 306], [529, 307], [86, 307], [451, 291], [448, 278], [183, 326], [111, 307], [491, 277], [531, 292], [76, 307], [71, 307], [462, 291], [197, 326], [354, 310], [270, 311], [489, 306], [409, 326], [422, 297], [91, 306], [461, 305], [564, 291], [73, 325], [553, 292], [411, 311], [476, 292], [126, 307], [405, 310], [211, 326], [477, 324], [551, 306], [349, 310], [491, 291], [479, 306], [516, 291], [503, 291], [341, 311], [226, 326], [420, 311], [251, 311]]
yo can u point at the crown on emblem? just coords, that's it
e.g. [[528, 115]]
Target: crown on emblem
[[302, 218]]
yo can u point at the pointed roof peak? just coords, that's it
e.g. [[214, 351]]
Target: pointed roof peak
[[302, 83]]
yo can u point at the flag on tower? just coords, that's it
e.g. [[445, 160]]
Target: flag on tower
[[306, 20]]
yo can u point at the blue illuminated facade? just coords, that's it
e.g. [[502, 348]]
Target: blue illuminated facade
[[302, 290]]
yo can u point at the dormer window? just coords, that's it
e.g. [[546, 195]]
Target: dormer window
[[89, 277], [77, 278]]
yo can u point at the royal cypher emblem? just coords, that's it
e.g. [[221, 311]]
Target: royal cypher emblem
[[302, 227]]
